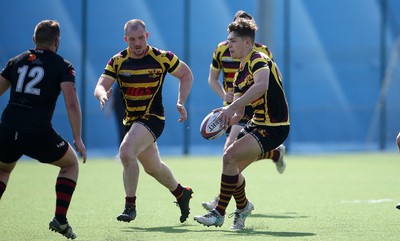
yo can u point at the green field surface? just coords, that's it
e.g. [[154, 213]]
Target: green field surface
[[319, 197]]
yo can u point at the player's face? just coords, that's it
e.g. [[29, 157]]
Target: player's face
[[137, 41], [235, 44]]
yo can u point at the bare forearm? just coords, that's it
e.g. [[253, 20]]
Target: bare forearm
[[184, 89], [99, 91], [185, 82], [217, 87], [75, 120]]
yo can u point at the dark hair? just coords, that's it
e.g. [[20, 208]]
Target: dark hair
[[242, 14], [243, 28], [46, 32]]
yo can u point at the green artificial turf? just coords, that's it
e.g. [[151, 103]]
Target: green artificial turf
[[319, 197]]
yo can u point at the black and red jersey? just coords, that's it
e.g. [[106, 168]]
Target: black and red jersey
[[35, 78]]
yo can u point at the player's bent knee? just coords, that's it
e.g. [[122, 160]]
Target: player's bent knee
[[125, 155], [228, 158]]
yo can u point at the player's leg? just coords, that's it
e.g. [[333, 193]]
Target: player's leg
[[244, 148], [152, 164], [9, 155], [276, 155], [65, 187], [53, 149], [233, 132], [137, 139], [5, 171], [267, 139]]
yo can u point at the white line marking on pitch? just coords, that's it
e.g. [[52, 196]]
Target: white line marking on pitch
[[386, 200]]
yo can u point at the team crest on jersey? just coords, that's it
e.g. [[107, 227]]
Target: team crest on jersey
[[31, 57], [263, 132], [154, 73]]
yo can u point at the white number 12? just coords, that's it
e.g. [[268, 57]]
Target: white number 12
[[36, 73]]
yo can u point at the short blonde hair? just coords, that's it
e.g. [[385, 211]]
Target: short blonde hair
[[134, 24]]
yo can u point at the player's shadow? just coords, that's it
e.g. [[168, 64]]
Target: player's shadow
[[182, 229], [287, 215], [250, 231], [163, 229]]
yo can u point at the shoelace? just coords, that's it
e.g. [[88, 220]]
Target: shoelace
[[210, 214], [237, 216], [177, 201]]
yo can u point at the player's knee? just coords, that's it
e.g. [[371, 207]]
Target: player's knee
[[228, 158], [70, 160], [125, 155]]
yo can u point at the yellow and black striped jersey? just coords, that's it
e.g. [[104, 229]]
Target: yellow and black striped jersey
[[141, 81], [222, 60], [270, 109]]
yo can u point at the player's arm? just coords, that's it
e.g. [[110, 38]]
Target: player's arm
[[184, 74], [74, 115], [4, 85], [213, 77], [398, 141], [239, 113], [103, 90], [259, 88]]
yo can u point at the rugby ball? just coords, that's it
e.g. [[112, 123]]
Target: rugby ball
[[211, 127]]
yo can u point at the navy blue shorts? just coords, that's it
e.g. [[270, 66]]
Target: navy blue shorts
[[44, 146]]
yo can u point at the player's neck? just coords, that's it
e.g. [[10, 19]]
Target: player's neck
[[244, 58], [45, 48]]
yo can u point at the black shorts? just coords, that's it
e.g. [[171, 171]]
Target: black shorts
[[45, 146], [268, 137], [154, 124]]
